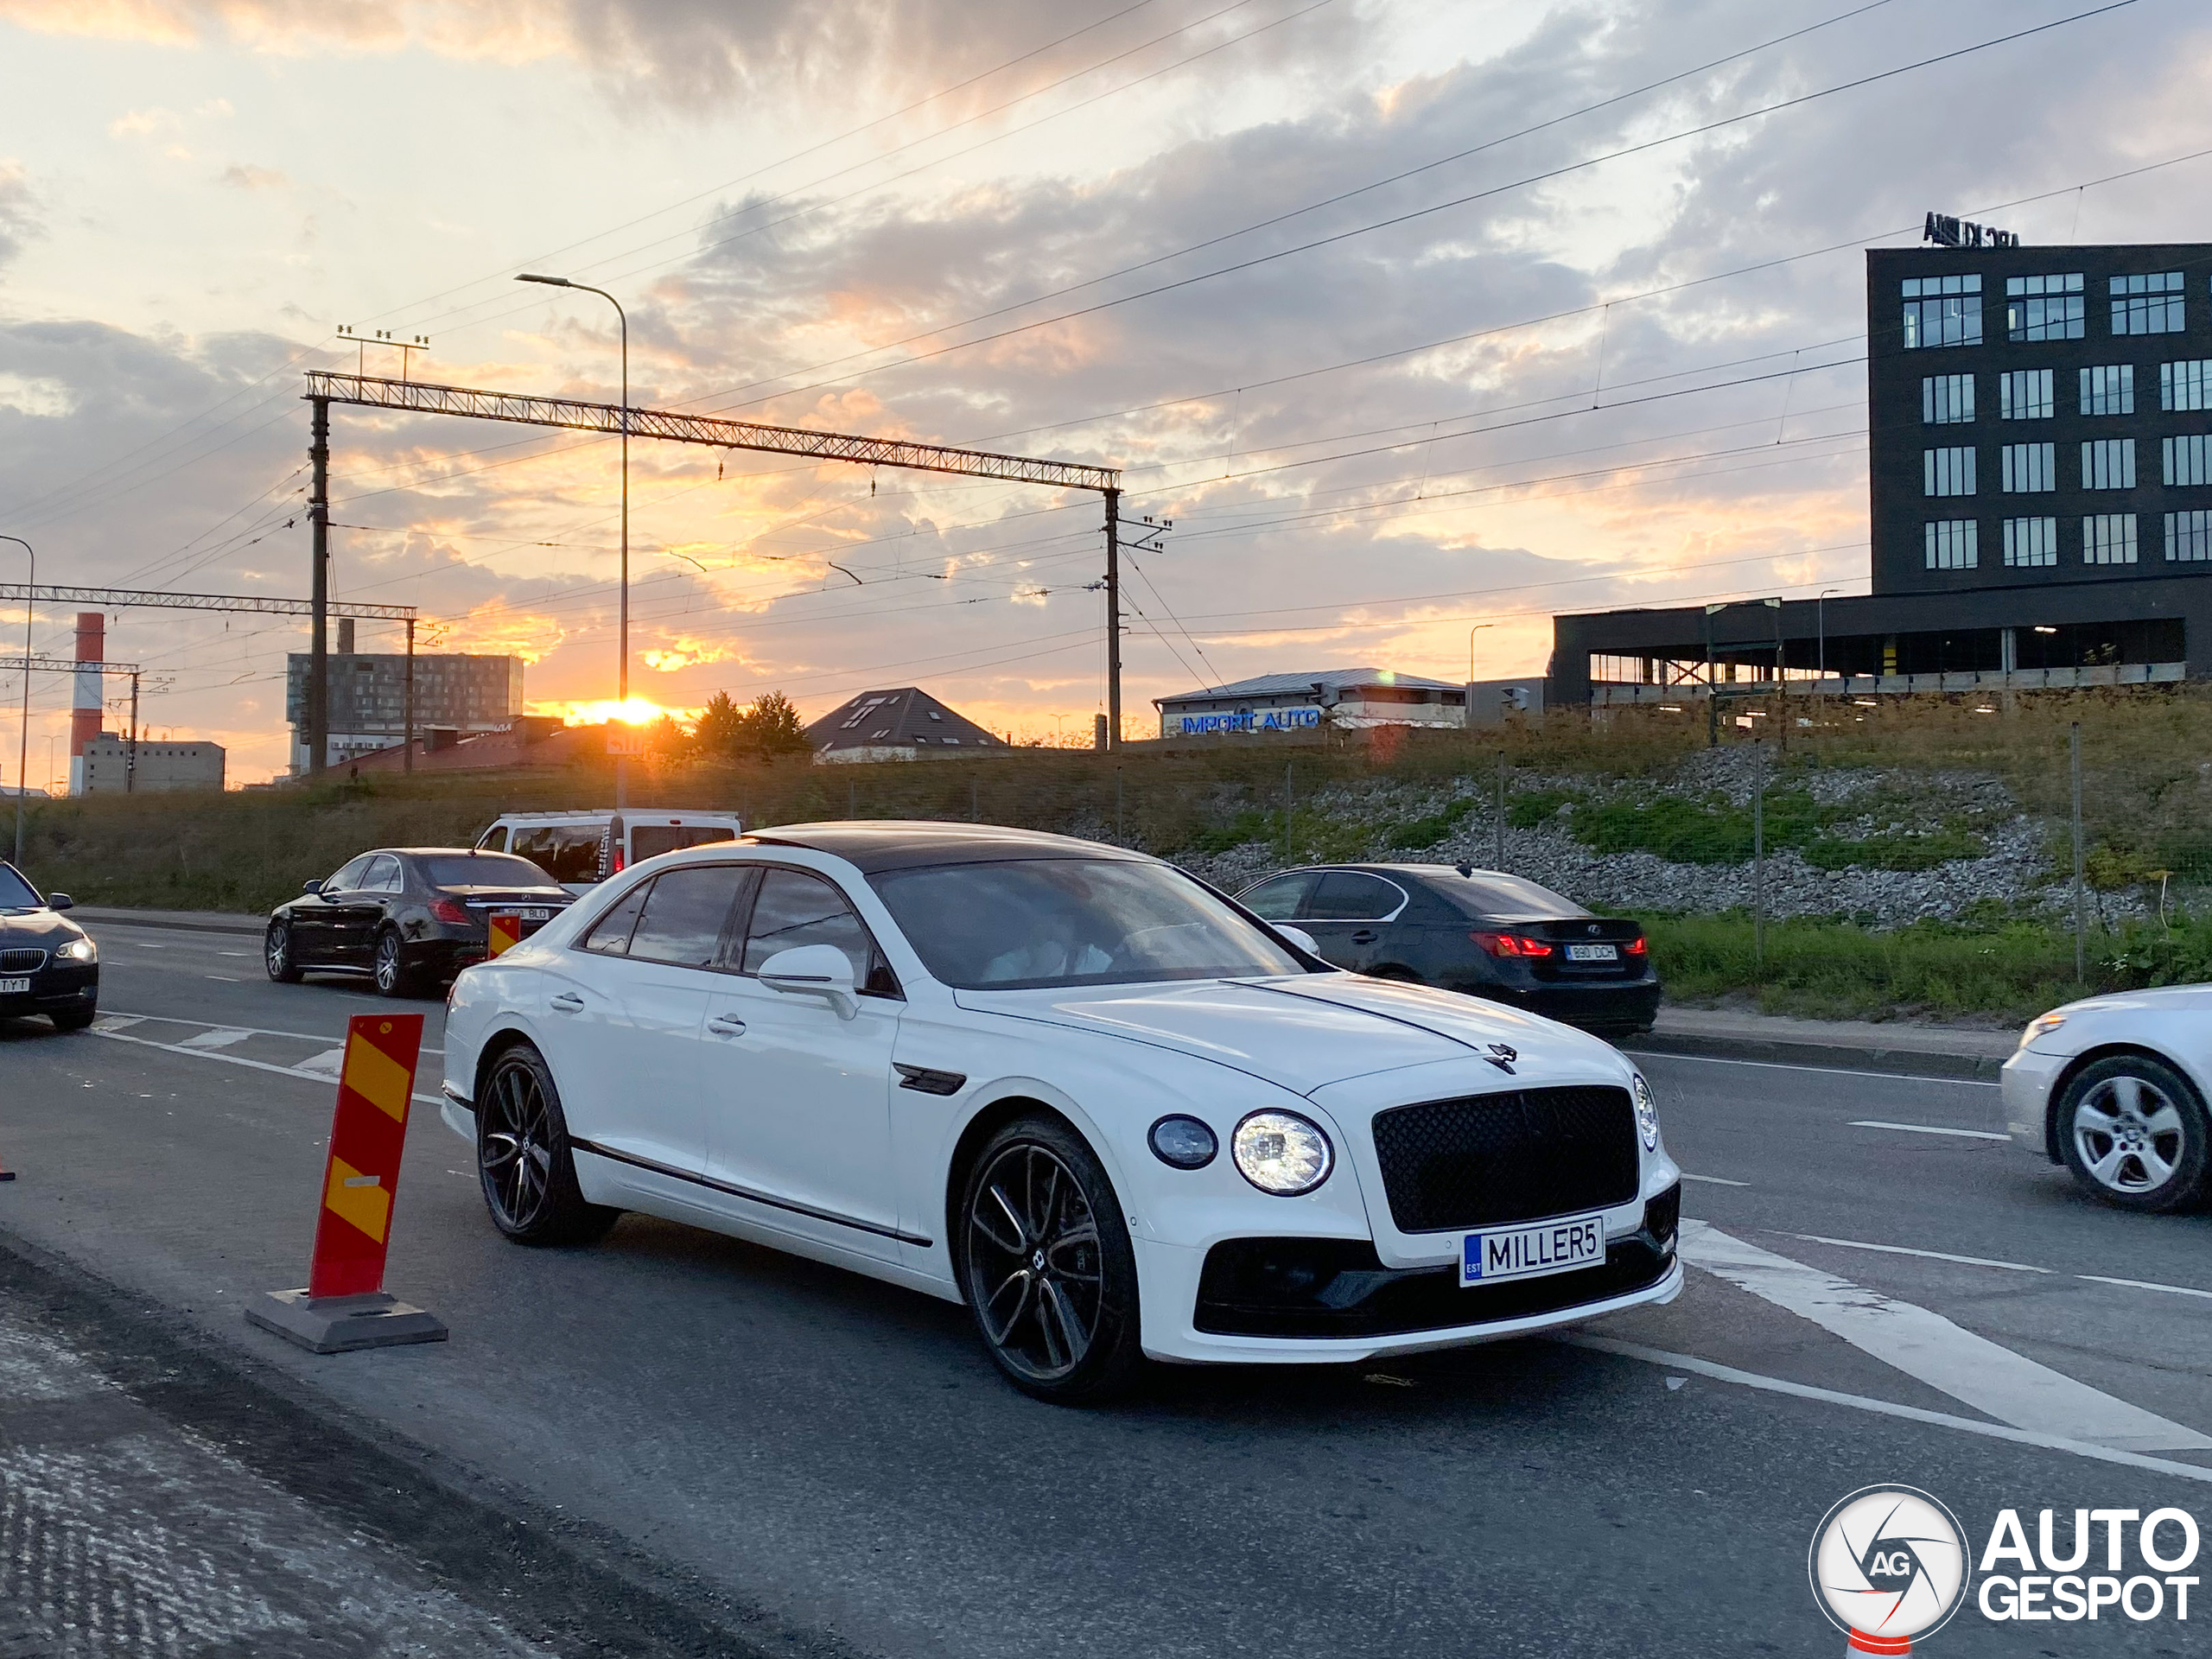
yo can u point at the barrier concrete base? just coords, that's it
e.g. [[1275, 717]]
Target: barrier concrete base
[[337, 1325]]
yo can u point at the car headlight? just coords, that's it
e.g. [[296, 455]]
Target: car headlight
[[1647, 1111], [1281, 1153], [2042, 1026], [78, 950], [1183, 1142]]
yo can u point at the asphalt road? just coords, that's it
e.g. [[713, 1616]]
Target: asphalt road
[[672, 1442]]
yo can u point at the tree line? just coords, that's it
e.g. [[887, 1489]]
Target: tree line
[[763, 729]]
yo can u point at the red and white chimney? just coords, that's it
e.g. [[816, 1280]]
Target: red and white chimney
[[85, 710]]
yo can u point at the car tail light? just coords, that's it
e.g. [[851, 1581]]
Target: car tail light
[[449, 910], [1514, 944], [1636, 947], [614, 862]]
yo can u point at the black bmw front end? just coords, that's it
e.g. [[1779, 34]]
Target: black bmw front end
[[48, 964]]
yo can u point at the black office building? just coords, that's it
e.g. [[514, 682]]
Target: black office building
[[2040, 500]]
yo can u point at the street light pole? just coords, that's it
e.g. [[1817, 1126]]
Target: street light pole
[[622, 669], [23, 740], [1468, 720]]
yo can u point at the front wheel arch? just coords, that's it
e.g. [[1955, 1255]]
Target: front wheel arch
[[975, 1134]]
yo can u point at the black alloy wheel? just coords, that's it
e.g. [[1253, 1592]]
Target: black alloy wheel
[[276, 955], [2134, 1132], [393, 976], [1047, 1264], [523, 1158]]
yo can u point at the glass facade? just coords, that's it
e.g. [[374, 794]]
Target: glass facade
[[2109, 389], [2029, 468], [2024, 395], [1952, 545], [2189, 535], [1941, 311], [2109, 464], [2186, 461], [1946, 472], [2182, 385], [1947, 399], [2044, 307], [2148, 304], [2030, 541], [2108, 538]]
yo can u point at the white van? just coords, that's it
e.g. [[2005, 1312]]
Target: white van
[[579, 847]]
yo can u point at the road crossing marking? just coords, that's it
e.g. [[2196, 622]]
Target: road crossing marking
[[1886, 1408], [1929, 1128], [1713, 1180], [1925, 1345], [1932, 1255], [299, 1072], [114, 1019], [217, 1037]]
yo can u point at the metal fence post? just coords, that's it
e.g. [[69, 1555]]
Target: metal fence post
[[1120, 839], [2080, 947], [1500, 863], [1758, 858], [1288, 857]]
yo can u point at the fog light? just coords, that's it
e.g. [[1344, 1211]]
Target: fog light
[[1183, 1143]]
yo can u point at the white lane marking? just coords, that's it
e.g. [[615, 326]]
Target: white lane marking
[[1713, 1180], [254, 1031], [226, 978], [2146, 1284], [327, 1062], [1931, 1255], [119, 1021], [236, 953], [1885, 1408], [1929, 1129], [1823, 1070], [240, 1059], [219, 1037], [2009, 1387]]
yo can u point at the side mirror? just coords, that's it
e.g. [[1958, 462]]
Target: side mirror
[[820, 971], [311, 888], [59, 901], [1297, 936]]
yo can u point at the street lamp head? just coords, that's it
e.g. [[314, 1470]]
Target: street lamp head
[[549, 281]]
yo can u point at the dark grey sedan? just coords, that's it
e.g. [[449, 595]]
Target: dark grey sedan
[[1479, 932]]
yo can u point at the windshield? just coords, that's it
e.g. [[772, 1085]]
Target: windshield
[[1076, 921], [15, 894], [484, 870]]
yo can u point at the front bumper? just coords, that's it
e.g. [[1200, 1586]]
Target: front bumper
[[57, 988], [1331, 1301], [2027, 1081]]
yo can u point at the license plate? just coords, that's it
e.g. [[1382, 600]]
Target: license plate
[[15, 988], [1560, 1245], [1593, 953], [536, 913]]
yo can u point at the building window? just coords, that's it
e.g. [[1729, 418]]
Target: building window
[[2187, 460], [2029, 468], [1947, 399], [2109, 390], [2182, 385], [2189, 535], [2044, 307], [2025, 395], [1941, 311], [2030, 541], [2109, 464], [1952, 545], [2108, 538], [1947, 471], [2147, 305]]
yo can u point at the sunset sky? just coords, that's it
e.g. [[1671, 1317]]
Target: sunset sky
[[1364, 295]]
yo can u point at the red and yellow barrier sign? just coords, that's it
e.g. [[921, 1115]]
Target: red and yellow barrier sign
[[375, 1087], [503, 932]]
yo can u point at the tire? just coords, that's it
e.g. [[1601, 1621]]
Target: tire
[[276, 955], [388, 961], [1045, 1265], [74, 1019], [2134, 1132], [523, 1161]]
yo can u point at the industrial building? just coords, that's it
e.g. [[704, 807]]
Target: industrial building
[[905, 723], [1305, 701], [115, 765], [2039, 499], [456, 692]]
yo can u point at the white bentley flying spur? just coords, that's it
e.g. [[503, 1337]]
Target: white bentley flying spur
[[1069, 1086]]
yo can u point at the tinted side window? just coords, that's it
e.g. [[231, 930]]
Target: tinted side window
[[383, 874], [610, 934], [1349, 896], [686, 913], [1277, 901], [494, 840], [651, 840], [795, 908], [348, 878], [567, 852]]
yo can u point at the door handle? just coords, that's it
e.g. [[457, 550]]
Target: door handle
[[1365, 936], [726, 1025], [568, 1002]]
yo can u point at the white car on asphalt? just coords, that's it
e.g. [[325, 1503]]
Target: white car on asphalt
[[2113, 1087], [1073, 1087]]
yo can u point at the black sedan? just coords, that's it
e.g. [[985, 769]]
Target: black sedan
[[47, 965], [409, 917], [1479, 932]]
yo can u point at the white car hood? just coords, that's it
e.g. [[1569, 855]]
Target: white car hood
[[1308, 1031]]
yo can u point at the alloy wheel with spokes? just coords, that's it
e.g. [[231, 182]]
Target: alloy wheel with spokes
[[1047, 1264], [390, 965], [2134, 1132], [523, 1157], [276, 955]]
